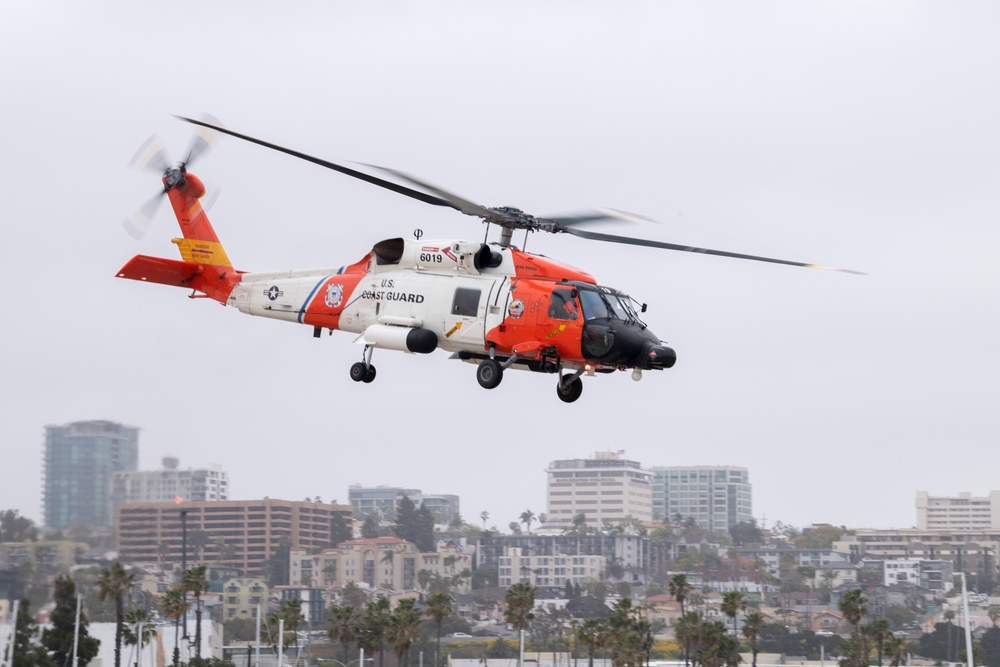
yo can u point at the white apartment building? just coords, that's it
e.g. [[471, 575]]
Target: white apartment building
[[716, 497], [516, 566], [606, 489], [964, 512], [171, 483]]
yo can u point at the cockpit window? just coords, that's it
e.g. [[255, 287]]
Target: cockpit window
[[594, 306], [562, 305]]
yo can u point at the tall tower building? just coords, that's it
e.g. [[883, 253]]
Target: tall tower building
[[717, 497], [606, 489], [80, 462]]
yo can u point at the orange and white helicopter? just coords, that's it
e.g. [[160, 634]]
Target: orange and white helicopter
[[488, 303]]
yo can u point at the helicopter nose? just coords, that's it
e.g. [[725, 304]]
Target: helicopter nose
[[659, 355]]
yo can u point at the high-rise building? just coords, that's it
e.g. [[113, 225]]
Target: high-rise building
[[606, 489], [80, 461], [382, 501], [964, 512], [716, 497], [171, 483]]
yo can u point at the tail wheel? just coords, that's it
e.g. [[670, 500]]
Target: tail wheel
[[359, 372], [569, 389], [489, 373]]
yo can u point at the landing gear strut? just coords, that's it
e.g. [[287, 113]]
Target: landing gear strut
[[363, 371], [569, 387]]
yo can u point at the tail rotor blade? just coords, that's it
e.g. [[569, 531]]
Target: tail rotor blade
[[151, 156], [137, 225]]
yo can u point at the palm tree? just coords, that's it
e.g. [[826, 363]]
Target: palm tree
[[753, 623], [592, 633], [404, 630], [438, 608], [195, 582], [343, 625], [174, 605], [485, 516], [680, 589], [854, 606], [994, 613], [733, 602], [879, 629], [133, 619], [897, 649], [527, 516], [291, 611], [519, 601], [114, 583], [374, 627], [688, 629]]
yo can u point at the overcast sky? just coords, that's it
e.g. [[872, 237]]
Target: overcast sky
[[855, 134]]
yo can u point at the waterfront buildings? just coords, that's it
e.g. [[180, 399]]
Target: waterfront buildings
[[716, 497], [240, 534], [606, 489], [964, 512], [79, 464], [171, 483]]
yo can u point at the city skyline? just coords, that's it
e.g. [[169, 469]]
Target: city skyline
[[169, 464], [847, 134]]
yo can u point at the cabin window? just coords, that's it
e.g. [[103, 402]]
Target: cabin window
[[466, 302], [562, 305]]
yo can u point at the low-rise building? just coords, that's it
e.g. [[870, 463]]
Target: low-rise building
[[57, 554], [386, 563], [241, 597], [518, 566]]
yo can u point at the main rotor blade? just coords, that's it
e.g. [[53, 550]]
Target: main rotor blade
[[603, 214], [463, 205], [610, 238], [374, 180]]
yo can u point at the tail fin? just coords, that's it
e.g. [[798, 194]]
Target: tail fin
[[205, 267]]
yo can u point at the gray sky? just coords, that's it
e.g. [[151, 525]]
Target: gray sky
[[853, 134]]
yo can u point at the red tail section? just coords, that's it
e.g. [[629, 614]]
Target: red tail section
[[205, 267]]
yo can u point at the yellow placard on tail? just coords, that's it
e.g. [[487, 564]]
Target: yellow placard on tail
[[202, 252]]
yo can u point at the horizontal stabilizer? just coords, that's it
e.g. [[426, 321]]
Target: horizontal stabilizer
[[160, 270]]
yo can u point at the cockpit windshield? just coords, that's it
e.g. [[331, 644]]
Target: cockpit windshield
[[606, 303]]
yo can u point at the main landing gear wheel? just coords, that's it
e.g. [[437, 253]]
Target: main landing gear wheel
[[362, 372], [569, 389], [489, 373]]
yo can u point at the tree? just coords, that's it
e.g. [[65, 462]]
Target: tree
[[340, 532], [415, 525], [854, 606], [276, 567], [58, 638], [16, 528], [746, 532], [485, 516], [131, 632], [114, 583], [752, 625], [438, 608], [174, 605], [680, 590], [372, 632], [632, 636], [290, 611], [733, 602], [404, 629], [592, 633], [26, 652], [519, 601], [527, 516], [879, 630], [343, 624], [818, 537], [370, 529], [195, 582], [949, 616], [897, 649]]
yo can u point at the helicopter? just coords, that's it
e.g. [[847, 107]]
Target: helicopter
[[488, 303]]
